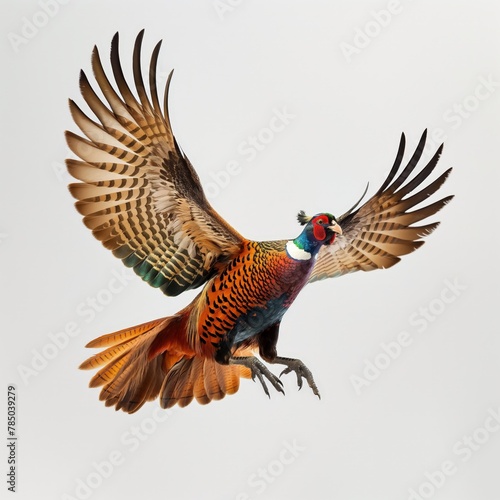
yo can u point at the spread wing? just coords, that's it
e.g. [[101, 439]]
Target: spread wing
[[139, 194], [380, 231]]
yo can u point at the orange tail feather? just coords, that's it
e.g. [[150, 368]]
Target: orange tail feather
[[134, 370]]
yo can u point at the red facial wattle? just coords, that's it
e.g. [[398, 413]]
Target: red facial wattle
[[319, 229], [319, 232]]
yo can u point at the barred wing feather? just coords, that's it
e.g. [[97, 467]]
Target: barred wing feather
[[139, 194], [382, 229]]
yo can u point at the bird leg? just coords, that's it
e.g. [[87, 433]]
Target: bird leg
[[300, 370], [258, 370]]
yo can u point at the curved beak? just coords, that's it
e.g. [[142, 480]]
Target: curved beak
[[335, 228]]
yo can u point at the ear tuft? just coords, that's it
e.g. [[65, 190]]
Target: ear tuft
[[303, 218]]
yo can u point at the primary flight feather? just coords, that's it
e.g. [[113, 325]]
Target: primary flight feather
[[142, 198]]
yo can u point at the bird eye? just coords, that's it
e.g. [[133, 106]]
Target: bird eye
[[321, 221]]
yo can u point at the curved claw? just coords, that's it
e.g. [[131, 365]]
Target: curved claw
[[297, 372], [301, 370], [260, 371]]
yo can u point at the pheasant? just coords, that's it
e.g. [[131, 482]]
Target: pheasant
[[142, 198]]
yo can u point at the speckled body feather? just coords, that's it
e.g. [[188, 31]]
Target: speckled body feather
[[249, 295]]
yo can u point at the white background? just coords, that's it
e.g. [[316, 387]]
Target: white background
[[234, 67]]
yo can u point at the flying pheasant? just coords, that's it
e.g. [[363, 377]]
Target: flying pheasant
[[142, 198]]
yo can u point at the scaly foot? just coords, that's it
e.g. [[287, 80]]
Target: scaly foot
[[260, 371], [300, 370]]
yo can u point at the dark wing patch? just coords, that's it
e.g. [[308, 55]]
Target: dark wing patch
[[139, 194]]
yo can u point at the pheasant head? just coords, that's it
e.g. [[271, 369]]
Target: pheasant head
[[320, 229]]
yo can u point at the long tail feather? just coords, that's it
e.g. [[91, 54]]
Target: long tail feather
[[133, 369]]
